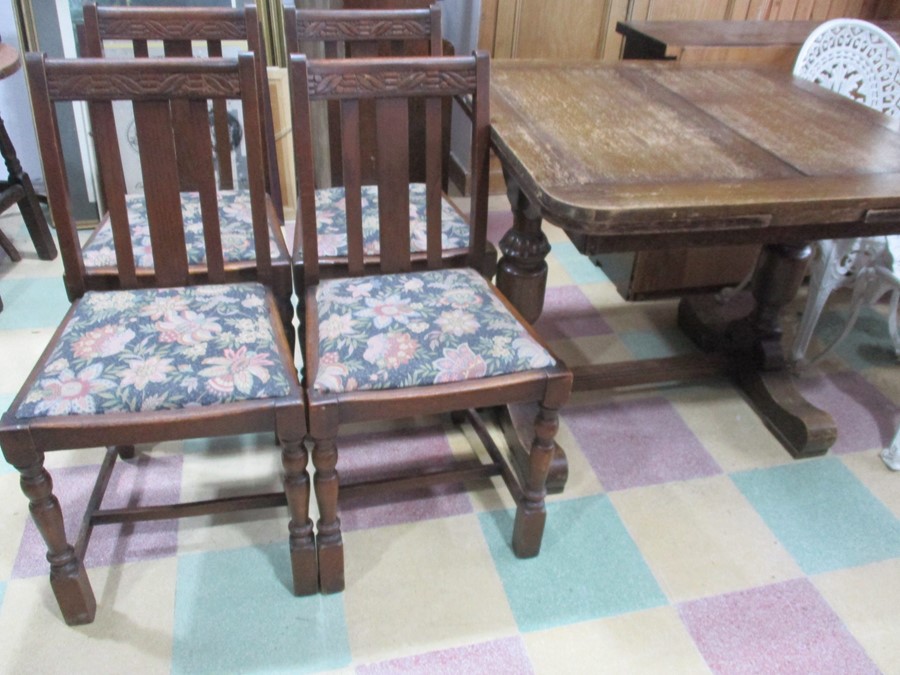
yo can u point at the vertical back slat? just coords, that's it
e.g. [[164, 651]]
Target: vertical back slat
[[112, 176], [181, 120], [433, 178], [335, 143], [352, 178], [392, 161], [251, 108], [156, 144], [220, 129], [305, 227], [199, 145], [480, 171]]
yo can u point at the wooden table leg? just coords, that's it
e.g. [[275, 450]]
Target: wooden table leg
[[522, 278], [749, 330], [522, 271]]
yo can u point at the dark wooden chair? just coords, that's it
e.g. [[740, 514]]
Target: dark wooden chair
[[17, 188], [361, 33], [200, 32], [337, 34], [389, 342], [166, 360]]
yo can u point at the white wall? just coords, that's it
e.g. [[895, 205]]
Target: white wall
[[15, 107]]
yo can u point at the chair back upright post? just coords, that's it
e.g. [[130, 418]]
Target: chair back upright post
[[389, 84], [178, 29], [151, 85], [344, 33]]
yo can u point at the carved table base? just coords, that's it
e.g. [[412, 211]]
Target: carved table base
[[747, 329]]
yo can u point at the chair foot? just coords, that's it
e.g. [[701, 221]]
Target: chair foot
[[329, 543], [331, 566], [528, 531], [126, 451], [304, 566], [73, 592], [531, 514], [68, 578]]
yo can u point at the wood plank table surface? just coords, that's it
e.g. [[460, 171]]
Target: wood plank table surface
[[639, 155], [774, 42]]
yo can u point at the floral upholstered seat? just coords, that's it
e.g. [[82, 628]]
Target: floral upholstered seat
[[331, 219], [161, 349], [406, 330], [235, 227]]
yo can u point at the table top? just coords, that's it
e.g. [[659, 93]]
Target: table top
[[9, 60], [731, 33], [648, 148]]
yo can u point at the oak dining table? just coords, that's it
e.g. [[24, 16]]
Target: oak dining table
[[640, 155]]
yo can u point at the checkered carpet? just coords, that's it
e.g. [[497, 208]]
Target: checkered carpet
[[686, 540]]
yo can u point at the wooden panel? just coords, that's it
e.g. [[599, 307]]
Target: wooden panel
[[679, 10], [565, 30], [574, 29], [612, 44], [782, 57], [651, 274], [506, 28]]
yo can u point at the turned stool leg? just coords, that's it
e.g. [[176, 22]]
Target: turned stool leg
[[304, 568], [528, 529], [68, 577], [329, 543]]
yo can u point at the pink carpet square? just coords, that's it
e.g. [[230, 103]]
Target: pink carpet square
[[865, 417], [784, 628], [143, 481], [638, 442], [380, 454], [500, 657], [569, 314]]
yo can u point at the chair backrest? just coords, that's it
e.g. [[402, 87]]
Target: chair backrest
[[186, 32], [151, 86], [855, 59], [348, 33], [390, 84]]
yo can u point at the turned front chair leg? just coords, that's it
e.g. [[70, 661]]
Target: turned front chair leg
[[304, 568], [68, 578], [528, 529], [329, 544]]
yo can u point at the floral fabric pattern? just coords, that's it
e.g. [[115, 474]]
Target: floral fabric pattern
[[235, 223], [331, 217], [406, 330], [131, 351]]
